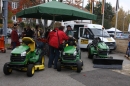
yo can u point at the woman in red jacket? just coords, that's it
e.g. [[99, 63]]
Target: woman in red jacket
[[14, 38], [55, 37]]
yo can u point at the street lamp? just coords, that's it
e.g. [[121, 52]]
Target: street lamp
[[123, 23]]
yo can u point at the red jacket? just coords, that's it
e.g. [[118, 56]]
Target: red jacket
[[14, 36], [53, 40]]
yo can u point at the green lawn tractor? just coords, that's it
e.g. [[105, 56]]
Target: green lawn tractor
[[70, 57], [98, 51], [26, 57]]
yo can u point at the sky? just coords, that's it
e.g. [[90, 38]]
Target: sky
[[122, 3]]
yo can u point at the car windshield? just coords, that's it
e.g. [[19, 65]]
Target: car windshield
[[100, 32]]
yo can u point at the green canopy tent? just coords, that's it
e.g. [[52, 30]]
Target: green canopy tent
[[55, 11]]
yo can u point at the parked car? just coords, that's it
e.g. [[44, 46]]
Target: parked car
[[125, 36], [120, 35]]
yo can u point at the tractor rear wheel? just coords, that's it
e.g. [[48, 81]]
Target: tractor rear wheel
[[58, 66], [6, 69], [41, 58], [30, 70]]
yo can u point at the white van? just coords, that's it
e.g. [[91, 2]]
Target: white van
[[94, 30]]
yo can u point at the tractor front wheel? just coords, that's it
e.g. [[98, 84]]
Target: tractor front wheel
[[58, 66], [30, 70], [6, 69], [94, 57], [79, 66], [90, 56]]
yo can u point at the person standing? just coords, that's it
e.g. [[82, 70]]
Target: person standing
[[24, 32], [128, 48], [37, 32], [47, 33], [55, 37], [14, 38], [86, 34], [29, 32], [69, 30]]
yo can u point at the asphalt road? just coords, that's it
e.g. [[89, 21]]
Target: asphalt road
[[50, 76]]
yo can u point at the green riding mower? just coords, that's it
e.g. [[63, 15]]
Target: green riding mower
[[98, 51], [70, 57], [26, 57]]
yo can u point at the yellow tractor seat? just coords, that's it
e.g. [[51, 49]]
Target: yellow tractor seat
[[30, 42]]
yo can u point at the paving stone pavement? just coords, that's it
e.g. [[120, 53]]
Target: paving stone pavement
[[102, 77]]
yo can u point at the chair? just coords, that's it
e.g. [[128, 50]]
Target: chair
[[30, 42]]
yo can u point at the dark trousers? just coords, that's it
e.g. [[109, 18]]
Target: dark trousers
[[54, 55], [13, 45]]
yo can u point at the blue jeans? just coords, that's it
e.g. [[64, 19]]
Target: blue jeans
[[13, 45], [54, 55]]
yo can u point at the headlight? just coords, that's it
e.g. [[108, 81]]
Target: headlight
[[63, 53], [75, 53], [23, 54]]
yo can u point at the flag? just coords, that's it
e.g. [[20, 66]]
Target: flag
[[117, 5], [103, 6]]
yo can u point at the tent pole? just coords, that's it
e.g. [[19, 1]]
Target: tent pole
[[53, 21]]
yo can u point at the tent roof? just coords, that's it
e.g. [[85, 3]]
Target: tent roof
[[113, 29]]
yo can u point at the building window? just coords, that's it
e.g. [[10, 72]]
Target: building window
[[14, 5], [13, 17]]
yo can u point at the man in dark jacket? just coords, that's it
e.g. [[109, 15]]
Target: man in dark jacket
[[56, 38], [29, 32], [47, 33]]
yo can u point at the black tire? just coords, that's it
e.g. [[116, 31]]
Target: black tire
[[82, 63], [90, 56], [58, 66], [88, 47], [80, 54], [94, 57], [79, 66], [30, 70], [41, 59], [6, 69]]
